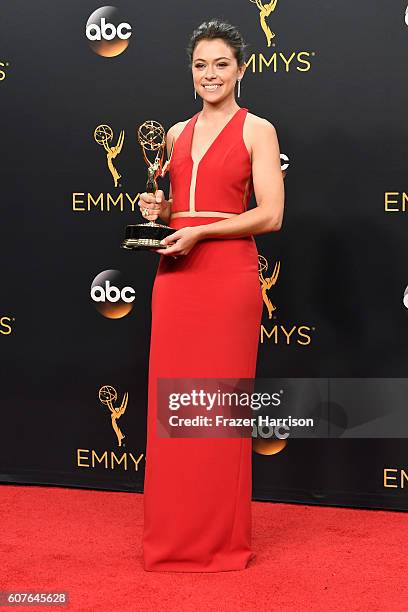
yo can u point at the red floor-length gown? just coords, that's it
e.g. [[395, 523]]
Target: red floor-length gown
[[206, 314]]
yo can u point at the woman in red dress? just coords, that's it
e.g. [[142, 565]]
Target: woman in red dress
[[206, 309]]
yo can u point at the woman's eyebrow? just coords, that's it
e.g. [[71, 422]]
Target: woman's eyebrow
[[216, 59]]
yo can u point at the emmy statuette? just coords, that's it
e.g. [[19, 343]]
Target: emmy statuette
[[151, 137]]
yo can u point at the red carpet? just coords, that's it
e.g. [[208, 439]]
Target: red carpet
[[308, 557]]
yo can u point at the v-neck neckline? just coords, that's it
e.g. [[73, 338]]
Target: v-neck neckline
[[215, 139]]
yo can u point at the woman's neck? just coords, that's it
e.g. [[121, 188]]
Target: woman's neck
[[214, 113]]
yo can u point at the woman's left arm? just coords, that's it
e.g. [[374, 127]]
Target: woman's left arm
[[269, 194], [268, 190]]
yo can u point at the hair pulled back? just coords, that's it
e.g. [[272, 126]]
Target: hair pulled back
[[215, 28]]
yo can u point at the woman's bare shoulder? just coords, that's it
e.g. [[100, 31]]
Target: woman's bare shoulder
[[257, 130], [256, 123], [176, 129]]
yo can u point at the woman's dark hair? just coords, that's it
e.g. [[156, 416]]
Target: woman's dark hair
[[215, 28]]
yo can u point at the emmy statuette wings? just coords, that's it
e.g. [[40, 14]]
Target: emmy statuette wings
[[151, 137]]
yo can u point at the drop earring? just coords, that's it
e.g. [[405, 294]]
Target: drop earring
[[195, 94], [239, 88]]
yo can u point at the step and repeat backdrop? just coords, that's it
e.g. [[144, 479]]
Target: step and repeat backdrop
[[76, 81]]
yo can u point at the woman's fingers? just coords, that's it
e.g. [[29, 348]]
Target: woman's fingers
[[150, 204], [147, 197], [168, 251], [149, 210], [159, 195]]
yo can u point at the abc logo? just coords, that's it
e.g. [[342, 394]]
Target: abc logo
[[284, 162], [111, 296], [405, 299], [106, 34], [3, 73]]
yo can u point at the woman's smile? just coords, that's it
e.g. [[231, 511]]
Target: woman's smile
[[211, 87]]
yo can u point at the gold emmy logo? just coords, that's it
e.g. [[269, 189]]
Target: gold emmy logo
[[279, 332], [275, 60], [103, 135], [6, 325], [396, 201], [395, 478], [107, 396], [267, 281], [265, 9]]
